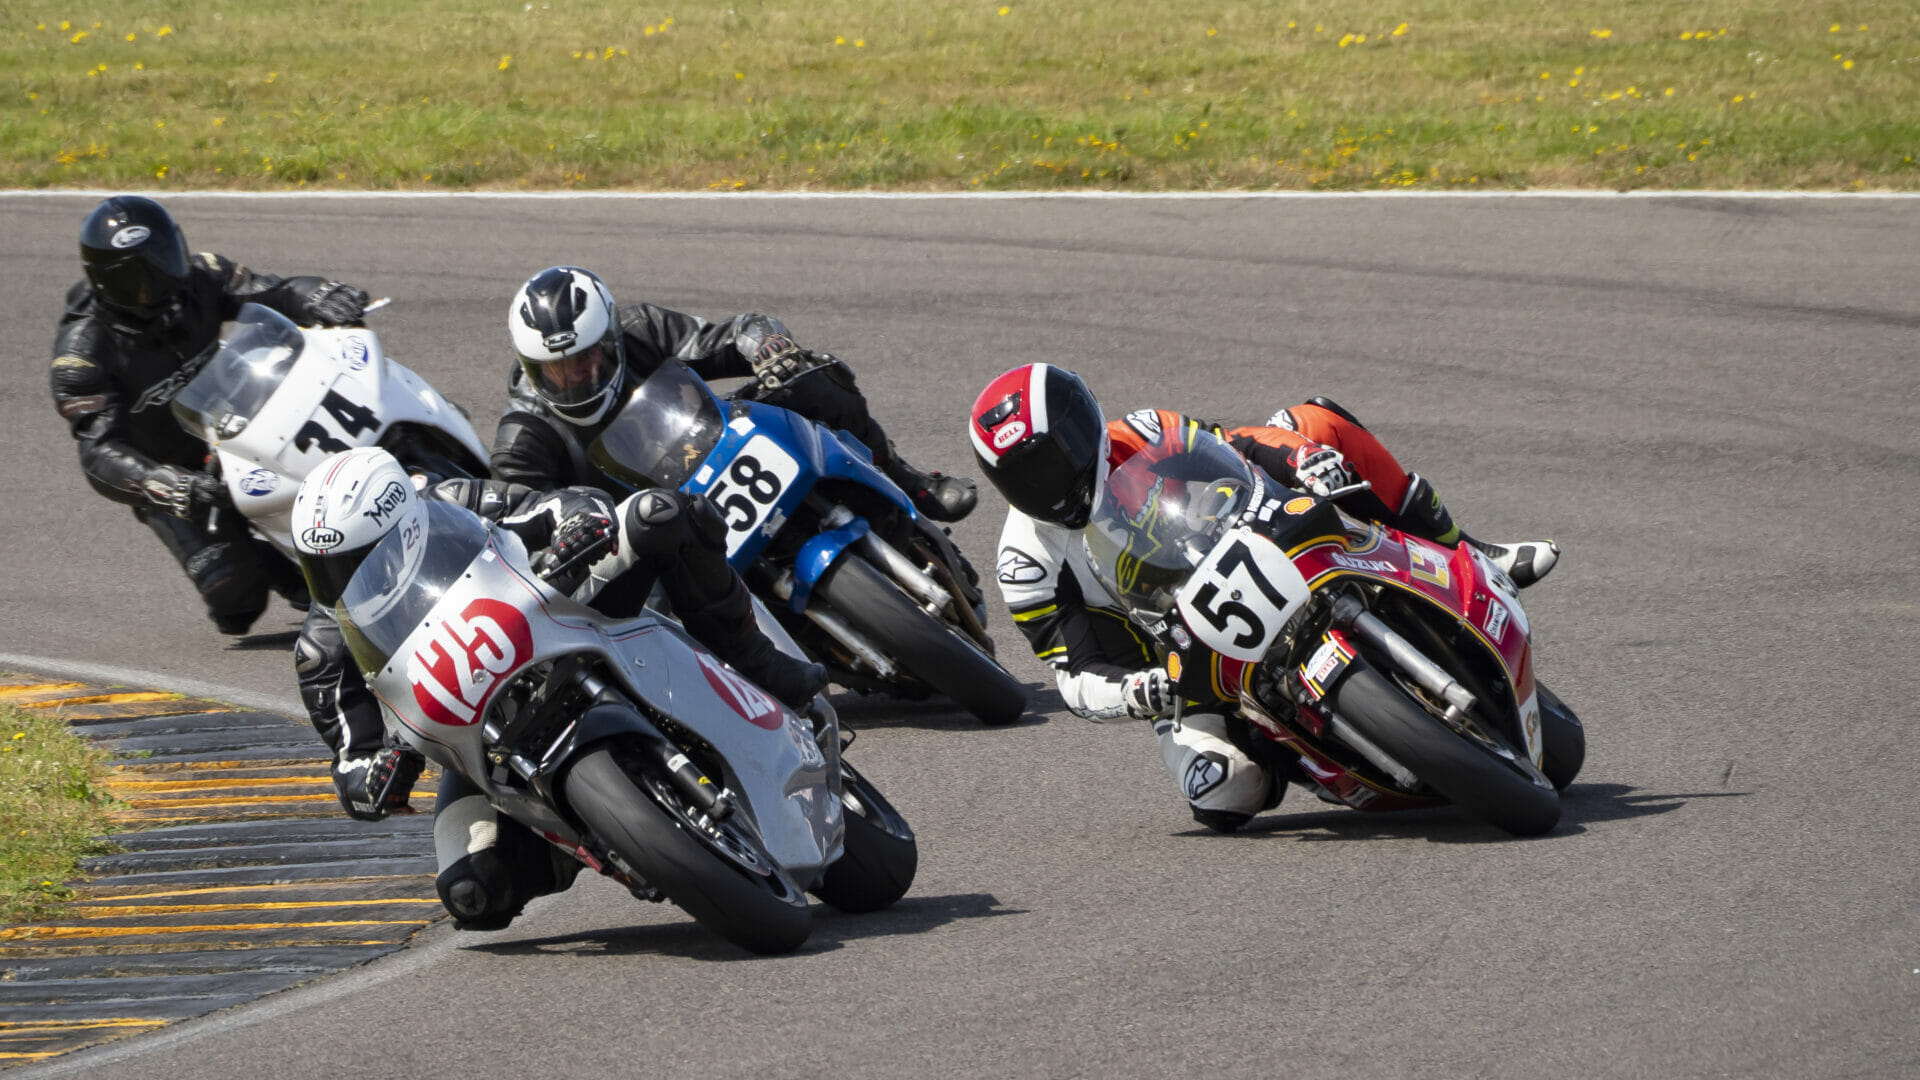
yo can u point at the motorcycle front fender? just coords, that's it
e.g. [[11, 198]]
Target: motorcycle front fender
[[817, 555]]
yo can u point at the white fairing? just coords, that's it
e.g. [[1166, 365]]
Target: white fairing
[[342, 392]]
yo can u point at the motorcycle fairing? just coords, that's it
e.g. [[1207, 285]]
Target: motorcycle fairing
[[817, 555]]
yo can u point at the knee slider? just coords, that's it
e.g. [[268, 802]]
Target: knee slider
[[1333, 407], [1213, 773], [478, 891], [657, 522]]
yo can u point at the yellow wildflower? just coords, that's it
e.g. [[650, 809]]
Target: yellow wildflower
[[1400, 31], [505, 62], [1005, 10], [1847, 66], [163, 31], [1602, 33]]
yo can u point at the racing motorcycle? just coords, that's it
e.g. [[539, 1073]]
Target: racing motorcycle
[[274, 400], [623, 742], [1380, 670], [866, 585]]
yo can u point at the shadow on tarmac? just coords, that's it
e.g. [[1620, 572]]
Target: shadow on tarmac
[[934, 713], [1581, 805], [690, 940]]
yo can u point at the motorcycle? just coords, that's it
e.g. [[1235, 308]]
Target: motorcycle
[[274, 400], [1380, 670], [866, 585], [622, 742]]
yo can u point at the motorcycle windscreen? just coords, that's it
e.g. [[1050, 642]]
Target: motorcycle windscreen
[[402, 579], [233, 386], [1160, 514], [665, 429]]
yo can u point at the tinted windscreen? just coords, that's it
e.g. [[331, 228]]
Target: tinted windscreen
[[664, 431], [404, 577], [231, 388]]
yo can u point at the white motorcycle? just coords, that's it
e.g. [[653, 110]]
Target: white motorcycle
[[275, 400], [621, 741]]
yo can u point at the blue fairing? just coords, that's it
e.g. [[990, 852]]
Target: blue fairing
[[817, 554]]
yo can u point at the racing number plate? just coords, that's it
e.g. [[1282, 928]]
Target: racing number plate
[[749, 487], [1240, 598]]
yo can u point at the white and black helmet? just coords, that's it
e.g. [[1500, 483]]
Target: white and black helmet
[[345, 507], [567, 335]]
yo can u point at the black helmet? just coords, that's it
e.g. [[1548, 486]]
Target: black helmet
[[1038, 433], [136, 260], [567, 334]]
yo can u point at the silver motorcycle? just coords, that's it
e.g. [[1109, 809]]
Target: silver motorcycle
[[621, 741]]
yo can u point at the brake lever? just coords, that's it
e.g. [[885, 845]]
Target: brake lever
[[1363, 485]]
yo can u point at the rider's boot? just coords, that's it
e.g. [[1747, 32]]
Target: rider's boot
[[728, 628], [935, 494], [1423, 514], [1224, 787]]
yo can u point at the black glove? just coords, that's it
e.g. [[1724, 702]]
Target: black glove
[[372, 787], [335, 303], [184, 493], [578, 543]]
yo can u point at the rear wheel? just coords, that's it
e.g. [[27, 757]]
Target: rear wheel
[[878, 856], [1508, 793], [718, 872], [929, 649]]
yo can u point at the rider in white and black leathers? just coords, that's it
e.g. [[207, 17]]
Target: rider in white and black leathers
[[490, 866], [580, 358], [132, 335]]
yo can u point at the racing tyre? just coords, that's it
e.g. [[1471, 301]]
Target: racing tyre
[[1509, 794], [719, 873], [925, 646], [878, 857], [1563, 739]]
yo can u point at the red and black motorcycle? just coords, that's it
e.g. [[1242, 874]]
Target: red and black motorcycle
[[1383, 671]]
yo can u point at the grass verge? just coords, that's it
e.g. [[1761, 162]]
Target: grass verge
[[947, 95], [51, 812]]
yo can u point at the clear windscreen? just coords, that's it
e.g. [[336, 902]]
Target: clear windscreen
[[1160, 514], [663, 432], [403, 577], [243, 374]]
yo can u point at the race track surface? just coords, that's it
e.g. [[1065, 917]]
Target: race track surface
[[1710, 403]]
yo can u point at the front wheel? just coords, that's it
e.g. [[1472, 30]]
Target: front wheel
[[925, 646], [1563, 739], [878, 856], [718, 872], [1504, 793]]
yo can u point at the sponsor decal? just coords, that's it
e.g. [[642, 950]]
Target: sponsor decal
[[559, 341], [1378, 566], [1016, 567], [1283, 419], [386, 502], [1299, 506], [1324, 662], [1182, 641], [1174, 664], [259, 482], [322, 539], [468, 657], [1204, 773], [1428, 565], [130, 236], [755, 706], [1496, 624], [1146, 422], [163, 391], [355, 352], [1010, 432]]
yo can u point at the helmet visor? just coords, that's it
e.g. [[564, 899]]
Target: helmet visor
[[1051, 478], [577, 378], [142, 281], [327, 575]]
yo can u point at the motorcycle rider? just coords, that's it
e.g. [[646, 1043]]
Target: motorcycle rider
[[132, 335], [491, 866], [580, 357], [1040, 436]]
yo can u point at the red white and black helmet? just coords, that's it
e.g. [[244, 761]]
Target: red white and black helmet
[[1039, 435]]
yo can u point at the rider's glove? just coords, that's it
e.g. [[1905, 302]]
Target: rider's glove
[[183, 492], [578, 543], [335, 303], [775, 357], [1149, 694], [372, 787], [1320, 469]]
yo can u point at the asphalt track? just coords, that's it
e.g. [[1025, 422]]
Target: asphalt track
[[1711, 403]]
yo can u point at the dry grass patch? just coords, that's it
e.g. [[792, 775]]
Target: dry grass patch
[[51, 814]]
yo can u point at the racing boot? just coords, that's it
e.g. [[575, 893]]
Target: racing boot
[[728, 628], [935, 494], [1423, 514], [1223, 786]]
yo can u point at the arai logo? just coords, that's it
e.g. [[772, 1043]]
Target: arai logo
[[466, 659], [1009, 434], [321, 539], [259, 482], [130, 236]]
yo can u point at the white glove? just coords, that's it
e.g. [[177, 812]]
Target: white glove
[[1320, 469], [1149, 694]]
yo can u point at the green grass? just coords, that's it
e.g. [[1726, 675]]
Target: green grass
[[51, 814], [933, 95]]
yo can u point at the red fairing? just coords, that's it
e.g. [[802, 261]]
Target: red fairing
[[1004, 413]]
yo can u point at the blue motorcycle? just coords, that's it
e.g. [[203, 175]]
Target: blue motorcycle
[[836, 550]]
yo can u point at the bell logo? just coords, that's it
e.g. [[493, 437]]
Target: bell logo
[[466, 659], [755, 705]]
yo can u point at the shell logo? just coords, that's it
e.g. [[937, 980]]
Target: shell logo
[[1298, 506]]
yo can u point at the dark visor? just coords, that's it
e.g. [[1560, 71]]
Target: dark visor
[[1052, 477]]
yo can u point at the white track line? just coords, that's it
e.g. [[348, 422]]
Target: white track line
[[935, 196], [72, 669]]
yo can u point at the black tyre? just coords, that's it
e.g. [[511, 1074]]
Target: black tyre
[[1510, 795], [718, 873], [1563, 739], [878, 856], [925, 646]]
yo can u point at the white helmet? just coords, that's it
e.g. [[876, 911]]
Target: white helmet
[[567, 334], [343, 508]]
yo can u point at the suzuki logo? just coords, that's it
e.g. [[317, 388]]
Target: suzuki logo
[[466, 659]]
